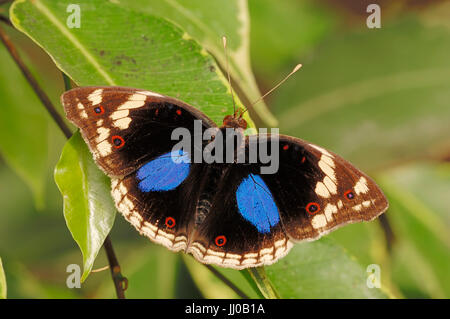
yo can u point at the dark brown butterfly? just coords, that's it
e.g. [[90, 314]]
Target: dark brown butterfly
[[224, 213]]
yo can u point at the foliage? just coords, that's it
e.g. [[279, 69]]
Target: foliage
[[377, 97]]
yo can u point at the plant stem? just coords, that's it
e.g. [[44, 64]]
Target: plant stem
[[265, 286], [251, 282], [120, 282]]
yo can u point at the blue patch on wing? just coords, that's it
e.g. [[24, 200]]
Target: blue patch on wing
[[256, 204], [165, 172]]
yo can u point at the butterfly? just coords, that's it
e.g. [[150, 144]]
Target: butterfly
[[224, 213]]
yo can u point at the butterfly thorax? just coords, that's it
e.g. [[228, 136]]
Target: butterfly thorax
[[233, 121]]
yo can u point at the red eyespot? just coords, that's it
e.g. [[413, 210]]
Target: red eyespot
[[220, 240], [349, 194], [170, 222], [178, 112], [313, 208], [99, 110], [117, 141], [303, 159], [286, 147]]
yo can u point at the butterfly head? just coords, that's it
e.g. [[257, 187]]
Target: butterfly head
[[234, 121]]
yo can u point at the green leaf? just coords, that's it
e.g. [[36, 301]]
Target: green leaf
[[371, 244], [23, 128], [419, 214], [119, 46], [320, 269], [367, 243], [368, 94], [2, 281], [88, 207], [201, 20]]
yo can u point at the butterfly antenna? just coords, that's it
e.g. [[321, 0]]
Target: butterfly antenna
[[224, 41], [297, 67]]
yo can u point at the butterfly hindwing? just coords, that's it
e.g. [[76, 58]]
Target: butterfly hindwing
[[161, 215], [242, 227], [126, 127]]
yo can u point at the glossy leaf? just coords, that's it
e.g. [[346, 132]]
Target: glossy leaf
[[370, 243], [88, 207], [320, 269], [367, 242]]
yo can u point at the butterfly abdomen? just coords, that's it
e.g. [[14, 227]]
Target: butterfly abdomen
[[208, 190], [203, 207]]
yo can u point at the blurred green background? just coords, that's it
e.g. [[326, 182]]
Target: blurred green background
[[378, 97]]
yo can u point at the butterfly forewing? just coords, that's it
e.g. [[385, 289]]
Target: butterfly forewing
[[126, 127]]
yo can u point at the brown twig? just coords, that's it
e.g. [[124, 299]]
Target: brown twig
[[120, 282], [6, 20]]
